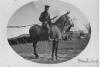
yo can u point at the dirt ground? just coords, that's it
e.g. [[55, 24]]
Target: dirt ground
[[66, 50]]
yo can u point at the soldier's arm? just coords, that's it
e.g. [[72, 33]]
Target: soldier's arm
[[41, 17]]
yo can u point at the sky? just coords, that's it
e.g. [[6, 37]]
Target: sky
[[29, 14]]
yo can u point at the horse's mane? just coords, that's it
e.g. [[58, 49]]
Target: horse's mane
[[61, 20]]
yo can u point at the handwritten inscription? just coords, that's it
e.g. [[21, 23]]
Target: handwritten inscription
[[88, 60], [15, 0]]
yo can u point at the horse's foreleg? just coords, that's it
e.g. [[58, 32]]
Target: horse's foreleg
[[53, 51], [56, 48], [53, 48], [34, 46]]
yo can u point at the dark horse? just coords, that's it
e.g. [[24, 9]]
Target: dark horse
[[38, 33]]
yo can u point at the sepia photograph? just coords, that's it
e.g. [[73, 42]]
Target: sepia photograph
[[48, 32]]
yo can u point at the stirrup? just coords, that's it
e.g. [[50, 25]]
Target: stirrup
[[50, 39]]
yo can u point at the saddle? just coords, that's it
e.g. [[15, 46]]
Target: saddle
[[47, 28], [47, 24]]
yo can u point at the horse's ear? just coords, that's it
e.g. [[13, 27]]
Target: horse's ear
[[68, 12]]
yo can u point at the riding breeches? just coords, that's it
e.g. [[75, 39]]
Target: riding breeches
[[48, 26]]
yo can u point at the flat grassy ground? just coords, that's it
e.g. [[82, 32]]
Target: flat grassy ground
[[66, 51]]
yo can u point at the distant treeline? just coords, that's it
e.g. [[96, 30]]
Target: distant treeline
[[19, 40], [25, 38]]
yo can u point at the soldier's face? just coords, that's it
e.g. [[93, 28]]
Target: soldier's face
[[46, 9]]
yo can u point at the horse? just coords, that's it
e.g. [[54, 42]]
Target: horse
[[38, 33]]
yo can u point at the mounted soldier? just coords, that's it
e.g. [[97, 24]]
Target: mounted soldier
[[40, 34], [45, 19]]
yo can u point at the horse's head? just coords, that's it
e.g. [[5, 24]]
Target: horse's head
[[67, 13], [72, 25]]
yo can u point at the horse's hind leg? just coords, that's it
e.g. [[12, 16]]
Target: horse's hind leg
[[34, 46]]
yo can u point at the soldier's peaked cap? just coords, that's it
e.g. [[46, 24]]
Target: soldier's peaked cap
[[47, 6]]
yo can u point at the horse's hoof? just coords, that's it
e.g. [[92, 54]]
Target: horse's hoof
[[37, 57], [52, 59]]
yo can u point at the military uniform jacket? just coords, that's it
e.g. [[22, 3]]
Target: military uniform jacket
[[44, 17]]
